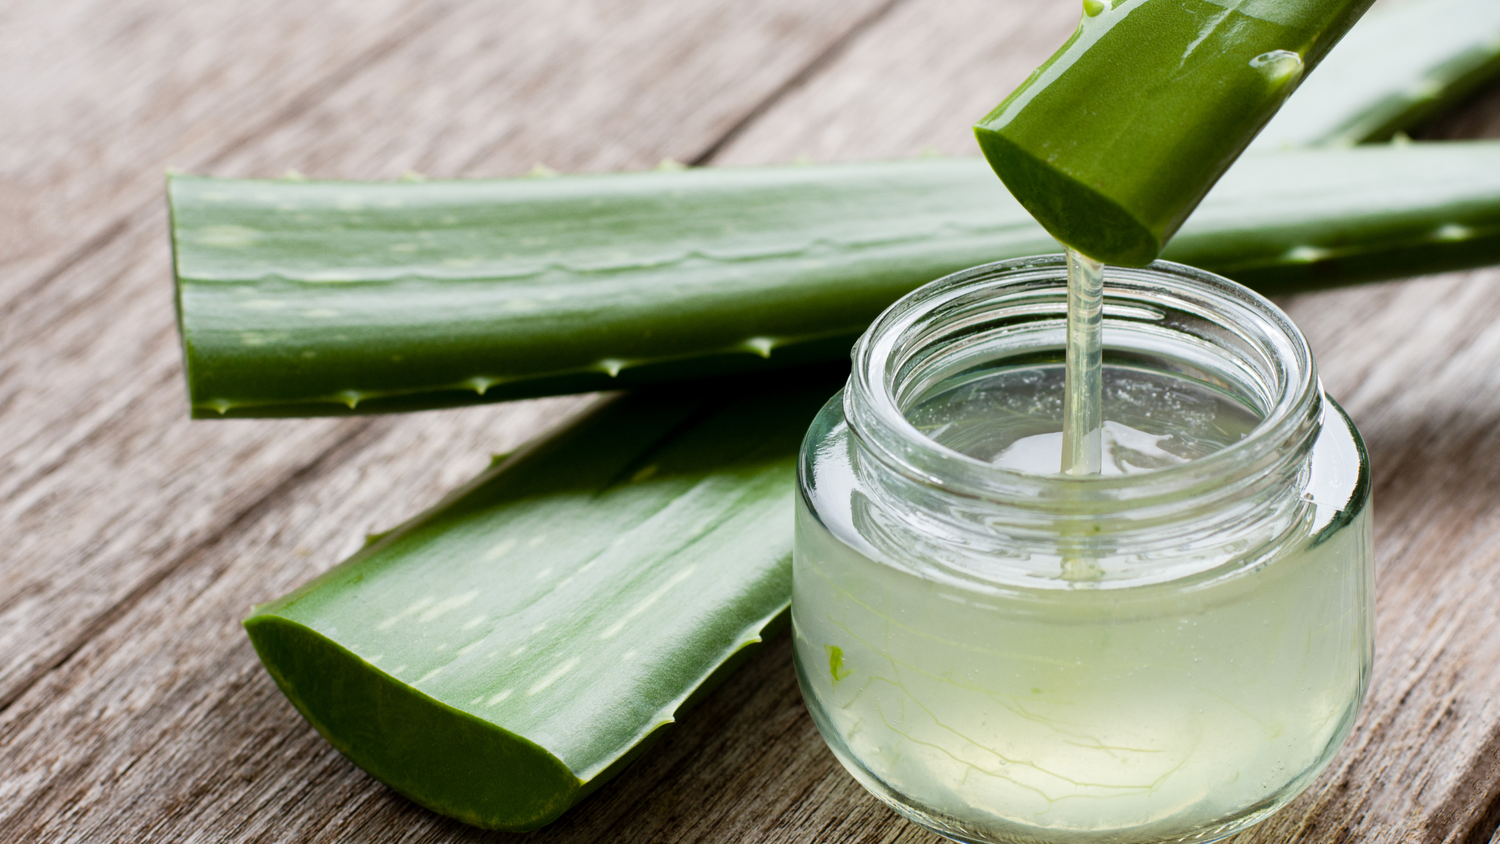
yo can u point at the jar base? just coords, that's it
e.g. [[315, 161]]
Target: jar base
[[1001, 831]]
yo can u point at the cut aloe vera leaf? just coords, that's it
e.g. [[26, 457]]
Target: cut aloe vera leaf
[[305, 298], [1115, 140], [1399, 66], [500, 656]]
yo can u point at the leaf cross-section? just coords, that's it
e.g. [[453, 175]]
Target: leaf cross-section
[[500, 656]]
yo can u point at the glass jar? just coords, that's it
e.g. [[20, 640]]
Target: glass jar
[[1169, 652]]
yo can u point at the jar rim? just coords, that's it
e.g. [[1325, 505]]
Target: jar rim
[[1293, 395]]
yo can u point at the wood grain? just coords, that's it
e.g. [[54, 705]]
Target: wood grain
[[94, 420], [913, 84], [1420, 766], [131, 706], [100, 96], [108, 490]]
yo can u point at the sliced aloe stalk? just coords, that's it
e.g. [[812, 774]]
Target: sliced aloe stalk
[[500, 656], [1399, 66], [306, 298], [1115, 140]]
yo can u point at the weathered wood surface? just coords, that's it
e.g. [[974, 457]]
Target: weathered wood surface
[[131, 705]]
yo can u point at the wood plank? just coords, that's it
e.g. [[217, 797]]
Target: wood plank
[[120, 498], [596, 85], [147, 705], [103, 480], [162, 725], [100, 96], [914, 83], [105, 483]]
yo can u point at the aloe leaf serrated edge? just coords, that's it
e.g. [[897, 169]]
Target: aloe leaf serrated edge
[[309, 298]]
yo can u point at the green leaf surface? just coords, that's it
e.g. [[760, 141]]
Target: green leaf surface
[[1400, 65], [309, 298], [1117, 137], [501, 655]]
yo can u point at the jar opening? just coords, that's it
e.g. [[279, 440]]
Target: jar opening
[[958, 385]]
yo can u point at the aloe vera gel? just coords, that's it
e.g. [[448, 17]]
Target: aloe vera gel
[[1168, 650], [1083, 420]]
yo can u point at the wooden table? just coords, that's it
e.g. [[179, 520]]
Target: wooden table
[[131, 705]]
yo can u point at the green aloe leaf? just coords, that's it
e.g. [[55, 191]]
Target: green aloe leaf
[[503, 654], [308, 298], [498, 657], [1399, 66], [1116, 138]]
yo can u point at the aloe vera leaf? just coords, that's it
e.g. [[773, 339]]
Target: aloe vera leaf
[[1117, 137], [301, 299], [1399, 66], [500, 656], [1435, 209]]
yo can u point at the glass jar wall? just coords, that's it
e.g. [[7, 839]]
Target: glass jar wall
[[1168, 652]]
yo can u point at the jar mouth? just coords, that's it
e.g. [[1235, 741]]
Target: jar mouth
[[1206, 326]]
